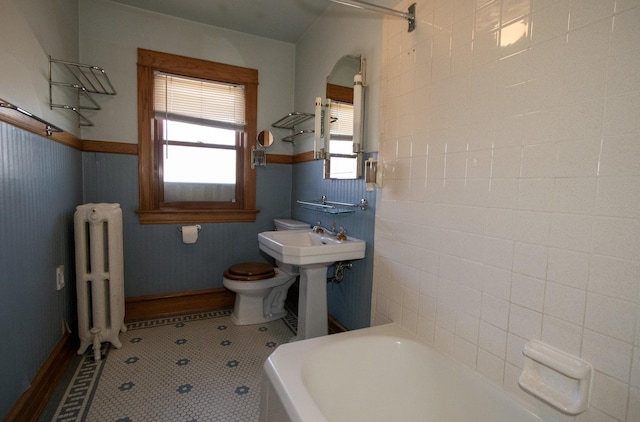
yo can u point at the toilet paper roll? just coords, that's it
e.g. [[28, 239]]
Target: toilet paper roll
[[189, 234]]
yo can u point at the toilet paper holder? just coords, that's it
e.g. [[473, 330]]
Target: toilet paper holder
[[198, 226]]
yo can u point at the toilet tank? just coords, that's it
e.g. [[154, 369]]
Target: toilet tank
[[289, 224]]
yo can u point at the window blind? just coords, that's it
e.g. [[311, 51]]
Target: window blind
[[341, 121], [198, 101]]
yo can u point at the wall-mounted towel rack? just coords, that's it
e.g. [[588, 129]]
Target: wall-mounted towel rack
[[86, 80], [333, 207], [49, 128], [290, 121]]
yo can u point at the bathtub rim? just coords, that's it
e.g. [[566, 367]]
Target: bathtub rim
[[285, 365]]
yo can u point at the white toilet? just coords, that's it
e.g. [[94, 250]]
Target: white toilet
[[260, 288]]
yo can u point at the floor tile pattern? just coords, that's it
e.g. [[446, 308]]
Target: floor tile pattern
[[191, 368]]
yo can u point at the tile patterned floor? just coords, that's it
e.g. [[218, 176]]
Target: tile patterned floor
[[192, 368]]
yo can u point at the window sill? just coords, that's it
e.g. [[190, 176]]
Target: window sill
[[196, 216]]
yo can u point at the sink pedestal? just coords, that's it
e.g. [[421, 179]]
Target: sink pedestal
[[312, 303]]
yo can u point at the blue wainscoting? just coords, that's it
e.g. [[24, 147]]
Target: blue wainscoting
[[155, 259], [40, 186], [350, 301]]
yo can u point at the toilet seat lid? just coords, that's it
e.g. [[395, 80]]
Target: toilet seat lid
[[249, 271]]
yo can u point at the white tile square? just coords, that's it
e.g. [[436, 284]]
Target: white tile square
[[616, 237], [578, 157], [503, 193], [562, 335], [426, 330], [614, 277], [539, 160], [570, 268], [622, 76], [535, 194], [528, 292], [508, 134], [618, 197], [575, 195], [495, 311], [583, 120], [497, 282], [500, 223], [585, 83], [622, 114], [506, 162], [589, 43], [467, 327], [611, 317], [626, 32], [607, 355], [533, 227], [409, 320], [550, 22], [525, 322], [493, 340], [465, 352], [445, 317], [530, 259], [427, 307], [571, 231], [544, 126], [564, 302], [620, 155], [491, 366], [444, 341], [499, 252], [609, 395], [585, 12]]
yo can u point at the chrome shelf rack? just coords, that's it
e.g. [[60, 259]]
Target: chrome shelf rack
[[290, 121], [86, 80], [333, 207]]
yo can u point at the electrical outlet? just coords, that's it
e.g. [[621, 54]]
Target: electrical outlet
[[60, 277]]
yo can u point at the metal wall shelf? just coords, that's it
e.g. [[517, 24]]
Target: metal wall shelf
[[86, 80], [290, 121], [332, 207]]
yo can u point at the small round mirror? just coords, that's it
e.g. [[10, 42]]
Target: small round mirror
[[265, 138]]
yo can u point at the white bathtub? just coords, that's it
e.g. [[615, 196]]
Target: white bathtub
[[378, 374]]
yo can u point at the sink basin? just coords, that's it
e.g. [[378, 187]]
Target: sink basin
[[304, 247]]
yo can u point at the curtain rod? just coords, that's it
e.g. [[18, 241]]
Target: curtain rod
[[410, 16]]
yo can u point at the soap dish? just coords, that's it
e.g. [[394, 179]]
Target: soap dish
[[555, 377]]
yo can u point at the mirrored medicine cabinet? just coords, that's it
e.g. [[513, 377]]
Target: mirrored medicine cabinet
[[345, 104]]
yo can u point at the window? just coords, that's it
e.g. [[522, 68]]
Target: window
[[197, 123], [343, 160]]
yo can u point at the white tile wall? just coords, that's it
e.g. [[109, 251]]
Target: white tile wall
[[510, 210]]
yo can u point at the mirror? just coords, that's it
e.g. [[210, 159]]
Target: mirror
[[258, 156], [345, 157], [265, 138]]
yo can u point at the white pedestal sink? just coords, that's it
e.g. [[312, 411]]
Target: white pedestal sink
[[313, 253]]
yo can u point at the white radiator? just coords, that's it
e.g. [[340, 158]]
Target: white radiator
[[99, 275]]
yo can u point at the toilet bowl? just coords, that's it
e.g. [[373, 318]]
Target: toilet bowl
[[260, 288]]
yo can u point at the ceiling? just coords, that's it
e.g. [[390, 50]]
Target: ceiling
[[284, 20]]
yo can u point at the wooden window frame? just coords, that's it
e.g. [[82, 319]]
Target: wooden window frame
[[151, 208]]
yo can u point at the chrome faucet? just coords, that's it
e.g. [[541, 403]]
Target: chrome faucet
[[319, 229]]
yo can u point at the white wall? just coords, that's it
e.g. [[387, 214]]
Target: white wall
[[339, 31], [32, 31], [511, 204], [111, 33]]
